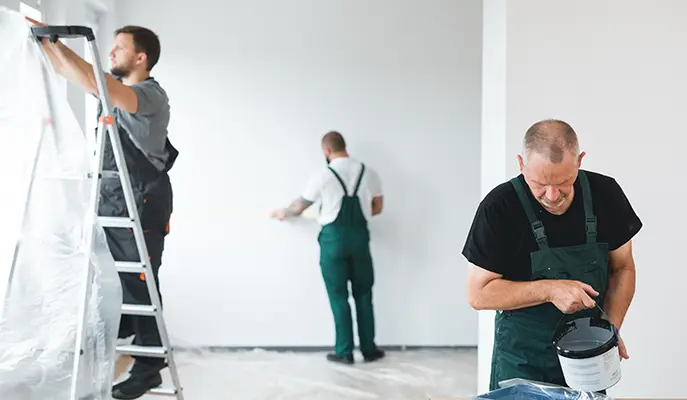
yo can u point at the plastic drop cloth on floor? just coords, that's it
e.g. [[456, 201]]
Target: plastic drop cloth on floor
[[40, 293], [284, 375]]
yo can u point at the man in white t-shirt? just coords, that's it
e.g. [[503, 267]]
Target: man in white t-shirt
[[350, 194]]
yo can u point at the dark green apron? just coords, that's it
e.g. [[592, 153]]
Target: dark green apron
[[523, 340], [345, 255]]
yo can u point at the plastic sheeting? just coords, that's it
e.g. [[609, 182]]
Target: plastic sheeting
[[517, 389], [48, 226], [421, 374]]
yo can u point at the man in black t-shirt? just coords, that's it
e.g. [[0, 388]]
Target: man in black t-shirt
[[554, 240]]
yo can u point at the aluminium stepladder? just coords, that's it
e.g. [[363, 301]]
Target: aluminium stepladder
[[107, 126]]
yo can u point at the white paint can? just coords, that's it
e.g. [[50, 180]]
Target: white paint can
[[588, 353]]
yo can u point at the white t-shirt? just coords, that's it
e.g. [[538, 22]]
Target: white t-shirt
[[324, 186]]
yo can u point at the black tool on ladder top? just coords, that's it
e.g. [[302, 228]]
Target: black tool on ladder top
[[67, 32]]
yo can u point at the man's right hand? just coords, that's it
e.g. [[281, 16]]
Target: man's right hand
[[570, 296]]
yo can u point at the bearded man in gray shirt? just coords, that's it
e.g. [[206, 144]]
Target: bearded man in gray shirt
[[141, 111]]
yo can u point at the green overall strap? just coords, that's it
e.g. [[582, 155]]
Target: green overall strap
[[589, 216], [360, 178], [340, 181], [537, 226]]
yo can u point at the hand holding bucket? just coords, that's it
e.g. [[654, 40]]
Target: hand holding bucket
[[589, 351]]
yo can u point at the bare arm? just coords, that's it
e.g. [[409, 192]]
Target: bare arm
[[295, 209], [621, 284], [489, 291], [377, 205], [79, 72]]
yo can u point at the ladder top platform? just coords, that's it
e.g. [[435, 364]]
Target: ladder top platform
[[54, 32]]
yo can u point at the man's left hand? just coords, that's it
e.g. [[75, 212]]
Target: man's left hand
[[622, 349]]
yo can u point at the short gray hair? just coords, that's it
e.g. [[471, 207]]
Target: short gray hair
[[551, 138]]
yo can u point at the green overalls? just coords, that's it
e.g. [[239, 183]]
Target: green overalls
[[345, 255], [523, 341]]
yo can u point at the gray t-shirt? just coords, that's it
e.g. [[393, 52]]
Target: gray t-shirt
[[147, 127]]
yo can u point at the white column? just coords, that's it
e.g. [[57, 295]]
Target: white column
[[494, 155]]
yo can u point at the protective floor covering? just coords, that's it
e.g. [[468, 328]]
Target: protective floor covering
[[258, 375]]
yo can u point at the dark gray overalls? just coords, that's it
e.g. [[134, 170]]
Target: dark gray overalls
[[153, 195]]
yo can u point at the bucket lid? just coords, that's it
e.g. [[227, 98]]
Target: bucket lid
[[585, 337]]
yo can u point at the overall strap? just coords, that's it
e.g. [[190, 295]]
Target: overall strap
[[590, 218], [360, 178], [537, 226], [343, 186]]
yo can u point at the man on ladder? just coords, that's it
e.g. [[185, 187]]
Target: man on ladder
[[350, 195], [141, 112]]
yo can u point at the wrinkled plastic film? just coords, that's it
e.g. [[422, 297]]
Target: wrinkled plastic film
[[46, 161], [422, 374], [526, 389]]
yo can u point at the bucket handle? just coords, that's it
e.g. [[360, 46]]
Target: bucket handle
[[603, 315]]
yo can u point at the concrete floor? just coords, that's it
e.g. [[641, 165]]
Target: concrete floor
[[264, 375]]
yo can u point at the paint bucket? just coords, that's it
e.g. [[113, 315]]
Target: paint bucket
[[588, 352]]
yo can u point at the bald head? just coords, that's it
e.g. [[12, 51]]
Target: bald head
[[551, 139], [334, 142]]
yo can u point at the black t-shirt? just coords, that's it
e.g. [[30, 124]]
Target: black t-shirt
[[501, 239]]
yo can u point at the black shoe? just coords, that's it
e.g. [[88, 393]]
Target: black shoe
[[340, 359], [136, 386], [374, 356]]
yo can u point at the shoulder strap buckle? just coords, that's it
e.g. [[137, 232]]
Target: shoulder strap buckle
[[539, 233], [591, 225], [590, 228]]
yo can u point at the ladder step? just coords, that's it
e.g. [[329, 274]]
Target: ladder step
[[160, 391], [132, 267], [116, 222], [143, 351], [141, 310]]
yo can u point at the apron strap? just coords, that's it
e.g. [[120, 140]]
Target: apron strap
[[340, 181], [537, 226], [590, 218], [360, 178]]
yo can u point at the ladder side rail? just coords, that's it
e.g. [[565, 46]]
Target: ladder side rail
[[89, 236]]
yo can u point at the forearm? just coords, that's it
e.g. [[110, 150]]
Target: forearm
[[71, 66], [621, 290], [501, 294], [297, 207]]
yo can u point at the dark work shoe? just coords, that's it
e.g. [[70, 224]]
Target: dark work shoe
[[340, 359], [136, 386], [374, 356]]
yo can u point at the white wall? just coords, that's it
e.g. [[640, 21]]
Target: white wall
[[253, 86], [614, 69]]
